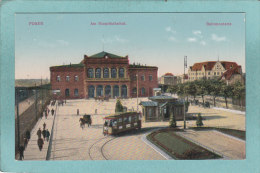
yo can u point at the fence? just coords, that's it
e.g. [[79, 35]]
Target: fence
[[29, 107]]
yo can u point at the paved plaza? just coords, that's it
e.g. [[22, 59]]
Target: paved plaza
[[71, 142]]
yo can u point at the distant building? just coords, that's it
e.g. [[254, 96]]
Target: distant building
[[212, 69], [233, 75], [167, 80], [182, 78], [104, 75]]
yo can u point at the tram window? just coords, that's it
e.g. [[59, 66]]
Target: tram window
[[120, 120], [129, 119], [114, 123], [134, 118], [125, 119]]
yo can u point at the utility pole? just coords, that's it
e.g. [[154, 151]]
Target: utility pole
[[17, 117], [184, 113], [185, 66], [42, 93], [137, 91]]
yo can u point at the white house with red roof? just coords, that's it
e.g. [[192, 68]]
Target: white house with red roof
[[213, 69]]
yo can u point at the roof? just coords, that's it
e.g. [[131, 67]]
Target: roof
[[161, 97], [103, 54], [119, 114], [208, 65], [70, 65], [229, 73], [149, 103], [168, 74], [140, 66]]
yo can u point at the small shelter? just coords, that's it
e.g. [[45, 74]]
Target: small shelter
[[161, 107]]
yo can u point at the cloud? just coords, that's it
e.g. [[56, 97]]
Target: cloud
[[192, 39], [203, 43], [217, 38], [114, 39], [62, 42], [196, 32], [169, 29], [172, 39]]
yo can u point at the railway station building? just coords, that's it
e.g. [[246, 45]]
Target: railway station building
[[104, 75]]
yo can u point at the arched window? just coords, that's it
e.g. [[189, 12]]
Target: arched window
[[76, 92], [91, 91], [98, 73], [142, 78], [124, 91], [67, 92], [143, 91], [108, 90], [116, 91], [121, 72], [113, 73], [99, 90], [106, 73], [90, 73]]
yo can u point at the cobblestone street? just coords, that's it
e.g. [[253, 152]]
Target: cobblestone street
[[71, 142]]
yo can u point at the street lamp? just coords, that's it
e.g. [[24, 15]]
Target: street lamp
[[17, 114]]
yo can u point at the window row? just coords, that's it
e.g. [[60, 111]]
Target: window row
[[97, 73], [67, 78], [134, 77], [67, 92]]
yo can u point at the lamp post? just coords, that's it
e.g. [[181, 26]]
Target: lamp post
[[184, 114]]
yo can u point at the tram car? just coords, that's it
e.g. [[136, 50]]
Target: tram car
[[121, 122]]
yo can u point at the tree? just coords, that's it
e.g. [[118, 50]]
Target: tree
[[173, 89], [192, 90], [238, 92], [216, 89], [226, 91], [201, 89], [119, 106], [199, 122]]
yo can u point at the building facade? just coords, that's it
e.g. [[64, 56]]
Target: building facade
[[211, 69], [104, 75]]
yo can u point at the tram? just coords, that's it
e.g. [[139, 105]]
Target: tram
[[120, 122]]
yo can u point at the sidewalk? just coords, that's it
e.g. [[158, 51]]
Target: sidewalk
[[32, 151]]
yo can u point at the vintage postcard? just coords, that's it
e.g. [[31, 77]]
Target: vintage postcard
[[130, 86]]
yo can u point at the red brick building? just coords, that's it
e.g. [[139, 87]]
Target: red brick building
[[104, 74]]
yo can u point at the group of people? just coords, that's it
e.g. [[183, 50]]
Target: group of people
[[46, 135], [26, 139], [61, 102], [47, 111]]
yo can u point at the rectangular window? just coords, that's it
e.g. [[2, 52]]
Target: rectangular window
[[218, 73], [67, 78], [120, 120], [76, 78], [208, 73], [150, 77], [221, 73], [142, 78], [134, 77], [58, 78], [214, 73], [125, 119]]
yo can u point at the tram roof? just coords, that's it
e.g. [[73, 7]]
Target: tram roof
[[120, 114]]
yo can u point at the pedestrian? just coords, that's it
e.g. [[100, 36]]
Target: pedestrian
[[44, 126], [25, 142], [28, 135], [47, 135], [48, 110], [21, 151], [62, 102], [46, 114], [44, 134], [65, 101], [95, 111], [40, 143], [52, 111], [77, 111], [39, 133]]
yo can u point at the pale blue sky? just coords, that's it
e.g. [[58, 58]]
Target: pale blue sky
[[157, 39]]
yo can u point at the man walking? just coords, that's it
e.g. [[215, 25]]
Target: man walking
[[44, 134], [44, 126], [47, 135], [39, 133], [21, 150], [52, 111], [40, 143]]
